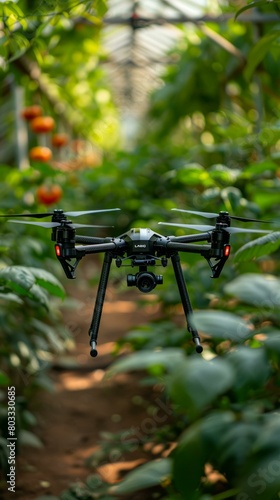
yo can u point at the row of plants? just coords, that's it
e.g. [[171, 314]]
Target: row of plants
[[32, 330], [212, 151], [44, 62]]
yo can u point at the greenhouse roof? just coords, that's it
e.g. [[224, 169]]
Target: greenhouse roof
[[138, 37]]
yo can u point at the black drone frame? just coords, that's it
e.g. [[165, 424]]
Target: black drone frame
[[141, 248], [144, 249]]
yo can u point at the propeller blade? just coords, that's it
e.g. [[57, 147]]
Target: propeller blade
[[190, 226], [49, 214], [233, 230], [85, 212], [42, 224], [245, 219], [211, 215], [54, 224], [36, 216]]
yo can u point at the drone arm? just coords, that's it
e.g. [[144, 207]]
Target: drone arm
[[88, 240], [185, 298], [94, 327], [97, 248], [191, 238], [187, 247]]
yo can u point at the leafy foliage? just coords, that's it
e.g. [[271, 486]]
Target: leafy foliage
[[147, 475], [222, 325], [29, 283], [206, 147], [259, 247]]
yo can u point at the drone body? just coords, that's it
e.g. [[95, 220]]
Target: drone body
[[142, 248]]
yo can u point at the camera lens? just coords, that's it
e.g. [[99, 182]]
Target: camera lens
[[146, 282]]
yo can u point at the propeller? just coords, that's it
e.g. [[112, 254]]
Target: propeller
[[60, 213], [42, 224], [55, 224], [211, 215], [85, 212], [203, 228]]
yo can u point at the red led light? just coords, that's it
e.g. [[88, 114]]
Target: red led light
[[57, 250], [226, 250]]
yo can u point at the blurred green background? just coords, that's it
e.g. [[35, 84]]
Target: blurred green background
[[202, 133]]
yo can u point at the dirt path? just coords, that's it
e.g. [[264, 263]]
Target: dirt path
[[83, 405]]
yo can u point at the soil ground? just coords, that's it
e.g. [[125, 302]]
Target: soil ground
[[84, 404]]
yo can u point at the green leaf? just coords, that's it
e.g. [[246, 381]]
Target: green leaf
[[272, 342], [257, 169], [19, 45], [269, 439], [168, 358], [197, 382], [15, 10], [261, 474], [145, 476], [231, 197], [38, 295], [256, 289], [259, 50], [10, 296], [264, 245], [28, 438], [252, 5], [17, 278], [4, 379], [268, 136], [220, 324], [54, 341], [235, 446], [244, 361], [193, 174], [188, 464], [223, 174], [196, 446], [101, 7], [48, 281], [28, 418], [31, 282]]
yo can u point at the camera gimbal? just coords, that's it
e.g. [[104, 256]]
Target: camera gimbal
[[144, 249]]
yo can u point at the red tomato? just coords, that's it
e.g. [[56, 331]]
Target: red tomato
[[59, 140], [31, 112], [48, 195], [42, 124], [40, 153]]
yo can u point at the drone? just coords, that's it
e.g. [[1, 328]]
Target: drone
[[143, 249]]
